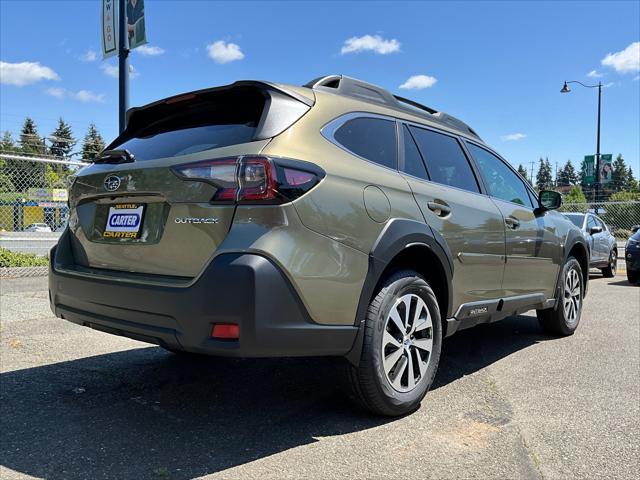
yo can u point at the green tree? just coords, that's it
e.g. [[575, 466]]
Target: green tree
[[575, 195], [523, 171], [92, 144], [7, 144], [544, 177], [30, 140], [632, 183], [62, 140], [620, 175], [567, 175], [624, 214]]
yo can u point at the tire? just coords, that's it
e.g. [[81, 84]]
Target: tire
[[610, 270], [633, 276], [408, 346], [563, 319]]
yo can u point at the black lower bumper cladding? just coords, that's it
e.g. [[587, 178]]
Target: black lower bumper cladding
[[244, 289]]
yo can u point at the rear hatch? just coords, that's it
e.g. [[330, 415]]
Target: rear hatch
[[134, 211]]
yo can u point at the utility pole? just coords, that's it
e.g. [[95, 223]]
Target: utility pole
[[123, 65], [531, 176]]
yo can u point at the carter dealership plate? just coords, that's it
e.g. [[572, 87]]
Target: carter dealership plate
[[124, 221]]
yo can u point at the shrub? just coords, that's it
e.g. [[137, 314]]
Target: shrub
[[17, 259]]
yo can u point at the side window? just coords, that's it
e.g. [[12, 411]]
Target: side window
[[590, 223], [600, 223], [413, 164], [501, 181], [370, 138], [445, 159]]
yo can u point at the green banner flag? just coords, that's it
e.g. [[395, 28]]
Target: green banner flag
[[589, 170]]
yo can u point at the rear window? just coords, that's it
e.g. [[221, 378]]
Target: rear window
[[371, 138], [577, 220], [193, 125]]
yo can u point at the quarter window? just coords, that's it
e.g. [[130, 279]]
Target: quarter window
[[446, 162], [371, 138], [413, 164], [501, 181]]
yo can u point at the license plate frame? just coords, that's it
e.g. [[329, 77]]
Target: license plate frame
[[124, 220]]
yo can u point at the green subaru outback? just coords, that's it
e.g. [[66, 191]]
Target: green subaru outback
[[335, 219]]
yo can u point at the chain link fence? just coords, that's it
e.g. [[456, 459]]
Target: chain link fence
[[33, 211], [620, 217]]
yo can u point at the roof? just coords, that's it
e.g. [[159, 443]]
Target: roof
[[367, 92]]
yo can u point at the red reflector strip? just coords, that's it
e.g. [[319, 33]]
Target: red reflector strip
[[227, 331]]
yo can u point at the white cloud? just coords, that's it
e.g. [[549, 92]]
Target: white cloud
[[594, 74], [418, 82], [370, 43], [55, 92], [89, 56], [513, 137], [84, 96], [149, 51], [624, 61], [87, 96], [112, 70], [222, 52], [25, 73]]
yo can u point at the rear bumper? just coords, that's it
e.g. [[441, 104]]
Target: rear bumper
[[246, 289], [632, 259]]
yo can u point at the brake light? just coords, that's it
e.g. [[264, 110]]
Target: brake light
[[253, 179]]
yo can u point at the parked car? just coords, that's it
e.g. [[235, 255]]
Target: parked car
[[632, 256], [603, 249], [335, 219], [38, 227]]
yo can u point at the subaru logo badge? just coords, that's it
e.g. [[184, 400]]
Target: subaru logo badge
[[112, 183]]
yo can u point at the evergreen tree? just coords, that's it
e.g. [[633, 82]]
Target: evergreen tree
[[62, 140], [544, 177], [7, 144], [632, 183], [620, 175], [570, 173], [92, 144], [523, 171], [30, 140]]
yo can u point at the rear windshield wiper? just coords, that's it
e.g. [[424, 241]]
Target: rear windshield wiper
[[115, 156]]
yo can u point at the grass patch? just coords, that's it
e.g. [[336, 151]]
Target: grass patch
[[9, 259]]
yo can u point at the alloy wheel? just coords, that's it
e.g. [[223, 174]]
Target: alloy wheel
[[407, 342], [572, 301]]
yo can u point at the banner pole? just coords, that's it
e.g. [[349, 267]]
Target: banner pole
[[123, 65]]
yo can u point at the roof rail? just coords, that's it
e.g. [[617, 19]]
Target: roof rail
[[343, 85]]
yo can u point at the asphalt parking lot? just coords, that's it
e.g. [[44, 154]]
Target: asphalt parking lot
[[507, 402]]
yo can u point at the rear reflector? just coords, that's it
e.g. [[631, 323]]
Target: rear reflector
[[253, 179], [226, 331]]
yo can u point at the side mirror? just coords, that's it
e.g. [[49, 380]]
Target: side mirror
[[635, 228], [549, 200], [595, 230]]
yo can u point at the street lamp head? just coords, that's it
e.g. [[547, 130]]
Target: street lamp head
[[565, 88]]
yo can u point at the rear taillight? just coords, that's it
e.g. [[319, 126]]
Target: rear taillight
[[253, 179]]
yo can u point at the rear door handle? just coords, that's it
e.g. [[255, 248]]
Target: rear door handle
[[440, 209], [512, 222]]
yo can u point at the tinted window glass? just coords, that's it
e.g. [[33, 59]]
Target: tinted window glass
[[577, 220], [445, 159], [413, 163], [590, 222], [600, 223], [370, 138], [502, 182], [187, 140]]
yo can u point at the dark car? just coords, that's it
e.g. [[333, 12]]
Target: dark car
[[632, 256], [603, 249]]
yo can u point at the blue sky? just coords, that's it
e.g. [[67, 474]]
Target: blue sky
[[498, 65]]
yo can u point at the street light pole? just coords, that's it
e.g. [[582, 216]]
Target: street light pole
[[123, 65], [566, 89]]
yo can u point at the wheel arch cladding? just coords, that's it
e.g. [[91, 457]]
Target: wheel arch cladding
[[407, 244]]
